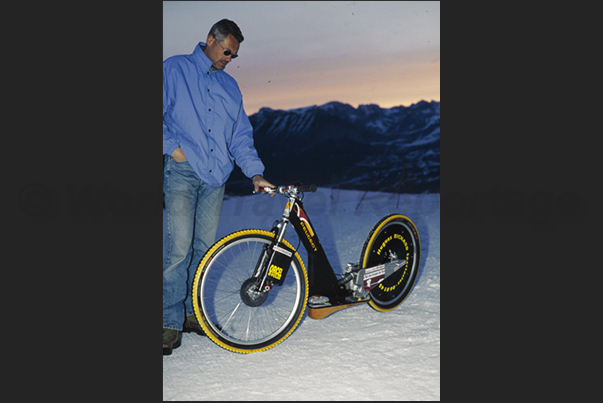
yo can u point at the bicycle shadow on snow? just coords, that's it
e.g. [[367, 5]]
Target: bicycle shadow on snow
[[344, 218]]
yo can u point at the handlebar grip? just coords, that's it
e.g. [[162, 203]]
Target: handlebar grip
[[307, 188]]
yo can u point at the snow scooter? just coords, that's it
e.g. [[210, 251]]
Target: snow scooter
[[251, 288]]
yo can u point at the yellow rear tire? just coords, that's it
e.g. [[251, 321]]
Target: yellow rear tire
[[394, 236]]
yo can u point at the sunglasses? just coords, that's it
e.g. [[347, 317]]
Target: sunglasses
[[227, 52]]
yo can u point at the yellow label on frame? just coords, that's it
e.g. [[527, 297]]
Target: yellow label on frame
[[275, 272]]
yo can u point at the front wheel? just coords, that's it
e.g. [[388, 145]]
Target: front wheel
[[394, 237], [231, 310]]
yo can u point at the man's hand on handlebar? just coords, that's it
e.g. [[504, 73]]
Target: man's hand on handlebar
[[260, 182]]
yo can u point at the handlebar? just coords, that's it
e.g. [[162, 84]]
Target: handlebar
[[288, 190], [307, 188]]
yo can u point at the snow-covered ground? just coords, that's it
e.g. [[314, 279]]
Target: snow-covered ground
[[354, 354]]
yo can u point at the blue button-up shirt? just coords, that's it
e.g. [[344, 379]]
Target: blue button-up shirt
[[203, 115]]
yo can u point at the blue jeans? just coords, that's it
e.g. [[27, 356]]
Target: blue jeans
[[193, 213]]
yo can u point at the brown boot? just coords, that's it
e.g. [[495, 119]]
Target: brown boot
[[171, 340], [191, 325]]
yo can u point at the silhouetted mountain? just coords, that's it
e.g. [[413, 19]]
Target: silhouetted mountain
[[394, 150]]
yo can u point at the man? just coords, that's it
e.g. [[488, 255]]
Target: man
[[205, 131]]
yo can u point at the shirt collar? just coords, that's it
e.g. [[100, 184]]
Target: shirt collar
[[203, 62]]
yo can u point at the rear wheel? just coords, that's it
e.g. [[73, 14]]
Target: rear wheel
[[231, 310], [393, 237]]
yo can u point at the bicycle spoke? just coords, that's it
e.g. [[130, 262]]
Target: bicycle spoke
[[251, 261], [227, 272], [222, 298], [248, 325], [231, 315]]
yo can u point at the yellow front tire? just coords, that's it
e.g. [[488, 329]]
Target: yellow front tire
[[220, 295]]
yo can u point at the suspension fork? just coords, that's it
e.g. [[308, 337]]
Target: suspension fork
[[261, 269]]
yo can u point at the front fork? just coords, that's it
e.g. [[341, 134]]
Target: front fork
[[261, 270]]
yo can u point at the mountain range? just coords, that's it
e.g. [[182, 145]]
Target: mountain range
[[337, 145]]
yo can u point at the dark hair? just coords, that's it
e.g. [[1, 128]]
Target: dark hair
[[222, 28]]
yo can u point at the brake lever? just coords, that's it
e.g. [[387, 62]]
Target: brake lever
[[266, 189]]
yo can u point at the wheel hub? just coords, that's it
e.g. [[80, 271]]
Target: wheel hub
[[250, 294]]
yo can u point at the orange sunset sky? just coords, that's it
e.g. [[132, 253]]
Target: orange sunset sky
[[302, 53]]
